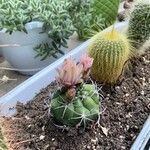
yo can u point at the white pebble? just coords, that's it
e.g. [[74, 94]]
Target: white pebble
[[42, 137], [121, 137], [26, 117], [43, 128], [88, 147], [142, 92], [127, 94]]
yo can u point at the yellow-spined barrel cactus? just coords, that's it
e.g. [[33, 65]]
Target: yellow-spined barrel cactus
[[139, 23], [110, 50], [77, 102]]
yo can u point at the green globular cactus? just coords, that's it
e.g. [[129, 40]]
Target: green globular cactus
[[81, 110], [139, 23], [75, 103], [110, 50]]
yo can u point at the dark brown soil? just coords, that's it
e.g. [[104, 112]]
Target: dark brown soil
[[125, 109]]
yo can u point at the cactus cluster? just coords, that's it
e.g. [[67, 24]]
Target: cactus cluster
[[76, 102], [110, 50], [139, 23]]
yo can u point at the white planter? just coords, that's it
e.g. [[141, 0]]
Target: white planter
[[23, 57], [27, 90]]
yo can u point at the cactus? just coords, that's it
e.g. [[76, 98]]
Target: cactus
[[82, 109], [76, 102], [110, 50], [139, 23]]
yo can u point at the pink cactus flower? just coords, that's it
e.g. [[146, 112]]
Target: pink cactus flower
[[70, 74], [86, 61]]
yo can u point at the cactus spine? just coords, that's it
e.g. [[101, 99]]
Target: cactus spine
[[110, 50], [139, 23]]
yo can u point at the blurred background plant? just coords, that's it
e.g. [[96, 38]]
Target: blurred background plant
[[139, 25], [92, 16], [15, 14]]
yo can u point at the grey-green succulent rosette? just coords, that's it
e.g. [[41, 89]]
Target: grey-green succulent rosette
[[77, 102], [15, 14]]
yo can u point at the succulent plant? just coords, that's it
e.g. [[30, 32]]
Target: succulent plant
[[14, 14], [90, 16], [110, 50], [76, 103], [139, 23], [83, 108]]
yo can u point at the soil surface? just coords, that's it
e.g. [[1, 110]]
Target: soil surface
[[125, 108]]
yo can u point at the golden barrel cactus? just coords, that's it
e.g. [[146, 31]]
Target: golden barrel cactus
[[110, 50]]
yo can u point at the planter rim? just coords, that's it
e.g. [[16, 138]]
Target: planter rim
[[143, 137], [29, 26]]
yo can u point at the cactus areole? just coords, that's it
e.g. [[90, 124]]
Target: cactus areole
[[76, 103], [110, 50]]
